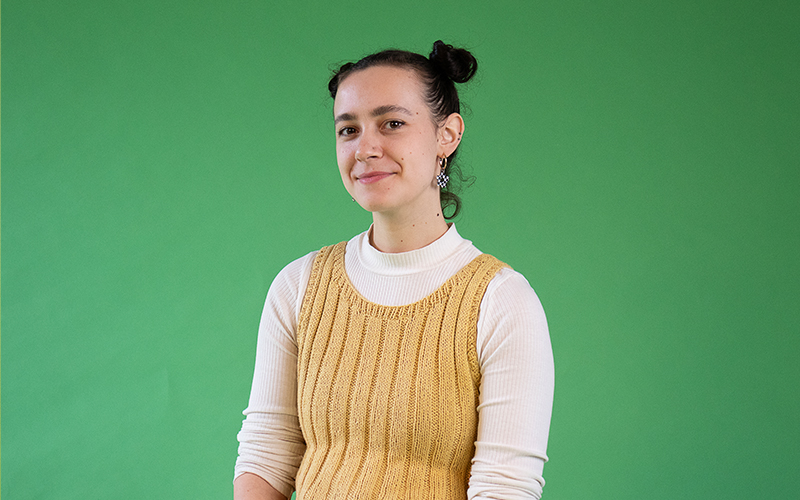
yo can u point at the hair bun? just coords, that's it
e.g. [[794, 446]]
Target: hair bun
[[456, 64]]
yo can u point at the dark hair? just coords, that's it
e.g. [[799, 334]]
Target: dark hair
[[439, 72]]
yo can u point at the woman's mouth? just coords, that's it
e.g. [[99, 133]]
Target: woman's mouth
[[372, 177]]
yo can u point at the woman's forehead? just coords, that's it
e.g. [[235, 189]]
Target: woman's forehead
[[379, 86]]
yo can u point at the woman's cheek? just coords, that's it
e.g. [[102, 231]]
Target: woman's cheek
[[343, 159]]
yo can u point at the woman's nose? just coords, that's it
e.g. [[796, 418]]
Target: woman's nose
[[369, 146]]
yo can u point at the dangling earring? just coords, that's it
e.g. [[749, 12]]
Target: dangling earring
[[442, 178]]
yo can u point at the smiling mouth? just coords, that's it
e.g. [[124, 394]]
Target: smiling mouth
[[373, 177]]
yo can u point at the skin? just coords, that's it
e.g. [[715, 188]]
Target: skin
[[252, 487], [388, 147]]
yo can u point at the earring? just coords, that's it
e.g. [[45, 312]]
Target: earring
[[442, 178]]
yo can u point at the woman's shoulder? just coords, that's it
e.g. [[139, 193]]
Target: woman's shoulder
[[291, 281], [512, 313], [294, 276], [296, 267], [510, 288]]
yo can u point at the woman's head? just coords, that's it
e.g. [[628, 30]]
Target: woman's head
[[436, 76]]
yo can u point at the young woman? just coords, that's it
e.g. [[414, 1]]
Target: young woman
[[404, 363]]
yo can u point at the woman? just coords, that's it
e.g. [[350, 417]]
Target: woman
[[403, 363]]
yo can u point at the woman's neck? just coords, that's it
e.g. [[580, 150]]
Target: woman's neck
[[395, 235]]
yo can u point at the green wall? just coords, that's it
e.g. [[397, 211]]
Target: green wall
[[638, 161]]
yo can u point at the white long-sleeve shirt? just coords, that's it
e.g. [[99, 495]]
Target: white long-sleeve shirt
[[514, 352]]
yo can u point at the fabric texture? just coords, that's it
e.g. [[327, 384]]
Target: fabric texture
[[513, 349], [388, 395]]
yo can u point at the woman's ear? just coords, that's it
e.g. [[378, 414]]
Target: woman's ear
[[450, 134]]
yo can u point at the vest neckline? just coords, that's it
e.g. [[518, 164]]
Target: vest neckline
[[354, 297]]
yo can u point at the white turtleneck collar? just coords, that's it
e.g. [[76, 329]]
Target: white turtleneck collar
[[421, 259], [394, 279]]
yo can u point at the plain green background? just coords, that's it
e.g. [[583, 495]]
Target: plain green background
[[638, 161]]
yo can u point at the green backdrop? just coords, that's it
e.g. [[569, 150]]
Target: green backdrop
[[638, 161]]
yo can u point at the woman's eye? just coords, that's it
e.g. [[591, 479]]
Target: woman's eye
[[345, 131], [394, 124]]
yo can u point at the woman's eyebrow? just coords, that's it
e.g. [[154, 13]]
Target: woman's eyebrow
[[380, 110], [344, 117], [390, 108]]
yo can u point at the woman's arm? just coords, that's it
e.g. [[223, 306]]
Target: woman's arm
[[251, 487], [270, 442], [516, 394]]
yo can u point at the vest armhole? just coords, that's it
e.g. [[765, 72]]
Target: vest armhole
[[320, 260], [487, 271]]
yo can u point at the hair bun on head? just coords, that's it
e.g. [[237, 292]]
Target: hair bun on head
[[456, 64]]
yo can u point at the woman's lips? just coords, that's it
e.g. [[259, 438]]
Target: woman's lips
[[372, 177]]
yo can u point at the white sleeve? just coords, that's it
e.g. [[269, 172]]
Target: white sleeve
[[516, 392], [270, 442]]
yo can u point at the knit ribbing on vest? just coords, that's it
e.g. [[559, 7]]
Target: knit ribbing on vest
[[388, 395]]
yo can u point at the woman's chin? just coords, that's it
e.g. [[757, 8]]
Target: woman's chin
[[370, 204]]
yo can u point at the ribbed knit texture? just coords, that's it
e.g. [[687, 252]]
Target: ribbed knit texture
[[387, 395]]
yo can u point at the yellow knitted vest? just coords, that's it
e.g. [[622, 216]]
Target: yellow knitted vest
[[388, 395]]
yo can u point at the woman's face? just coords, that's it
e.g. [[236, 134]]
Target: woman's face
[[386, 141]]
